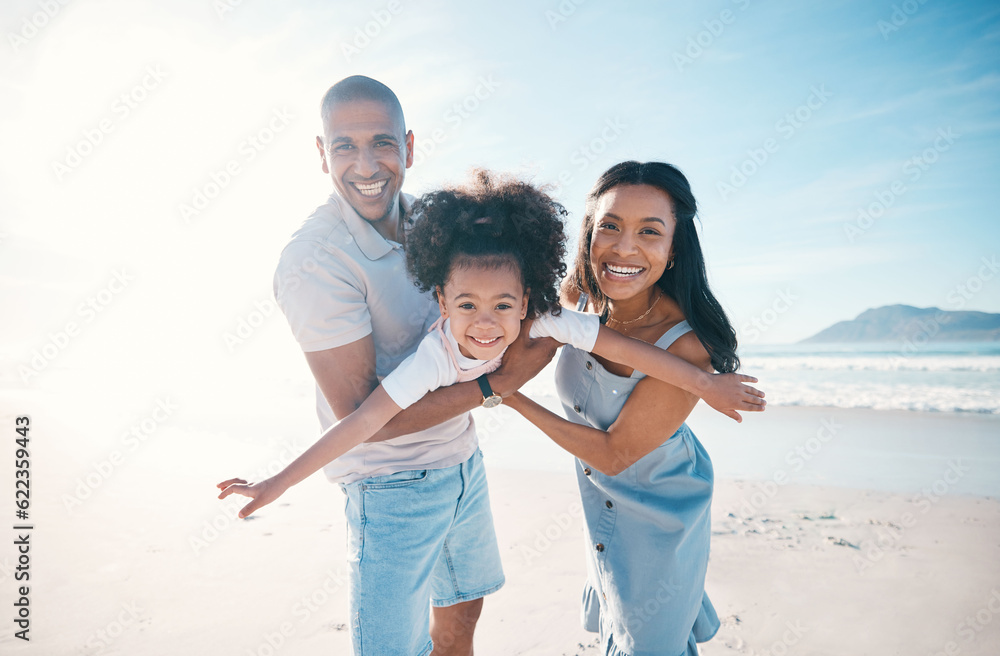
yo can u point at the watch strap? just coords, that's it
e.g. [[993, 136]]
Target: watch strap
[[484, 387]]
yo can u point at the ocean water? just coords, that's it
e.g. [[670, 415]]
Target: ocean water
[[946, 377], [242, 413]]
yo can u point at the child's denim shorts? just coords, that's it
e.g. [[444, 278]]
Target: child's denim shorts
[[417, 538]]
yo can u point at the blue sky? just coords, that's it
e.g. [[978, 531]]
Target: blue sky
[[828, 109]]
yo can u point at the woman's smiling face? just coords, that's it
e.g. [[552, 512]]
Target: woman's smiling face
[[485, 305], [631, 244]]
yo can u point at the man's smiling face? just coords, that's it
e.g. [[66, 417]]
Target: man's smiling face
[[366, 153]]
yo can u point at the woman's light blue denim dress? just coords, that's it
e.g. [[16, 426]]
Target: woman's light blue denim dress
[[647, 529]]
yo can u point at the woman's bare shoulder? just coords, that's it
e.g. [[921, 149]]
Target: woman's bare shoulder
[[690, 348], [569, 297]]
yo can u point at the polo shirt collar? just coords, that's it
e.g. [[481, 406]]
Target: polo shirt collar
[[372, 244]]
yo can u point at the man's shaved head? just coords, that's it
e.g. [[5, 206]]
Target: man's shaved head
[[359, 87], [365, 149]]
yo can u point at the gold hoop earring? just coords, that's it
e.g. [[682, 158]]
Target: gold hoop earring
[[670, 265]]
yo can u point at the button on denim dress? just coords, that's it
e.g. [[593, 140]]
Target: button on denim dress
[[647, 529]]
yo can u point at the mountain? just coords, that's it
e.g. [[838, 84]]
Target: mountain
[[904, 322]]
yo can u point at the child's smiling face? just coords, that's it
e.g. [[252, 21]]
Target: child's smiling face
[[485, 305]]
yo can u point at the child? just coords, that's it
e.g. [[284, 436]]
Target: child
[[493, 255]]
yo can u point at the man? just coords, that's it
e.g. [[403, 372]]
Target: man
[[419, 521]]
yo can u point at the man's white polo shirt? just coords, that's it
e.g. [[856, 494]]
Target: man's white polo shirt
[[339, 280]]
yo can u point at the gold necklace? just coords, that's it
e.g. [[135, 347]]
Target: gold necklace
[[641, 316]]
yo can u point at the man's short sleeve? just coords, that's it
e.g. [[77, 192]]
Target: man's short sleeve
[[427, 369], [322, 293], [578, 329]]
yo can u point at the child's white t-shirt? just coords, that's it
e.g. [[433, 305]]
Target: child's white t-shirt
[[431, 367]]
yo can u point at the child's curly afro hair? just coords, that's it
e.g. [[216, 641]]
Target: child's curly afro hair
[[497, 220]]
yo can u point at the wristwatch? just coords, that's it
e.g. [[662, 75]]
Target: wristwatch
[[490, 398]]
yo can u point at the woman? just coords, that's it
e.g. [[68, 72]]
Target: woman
[[645, 480]]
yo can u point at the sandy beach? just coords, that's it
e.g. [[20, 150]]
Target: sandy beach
[[151, 563]]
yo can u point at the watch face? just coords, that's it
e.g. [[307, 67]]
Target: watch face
[[492, 401]]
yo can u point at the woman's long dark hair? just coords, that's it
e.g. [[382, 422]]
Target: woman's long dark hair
[[685, 282]]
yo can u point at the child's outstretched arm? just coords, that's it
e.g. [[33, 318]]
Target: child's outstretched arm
[[727, 393], [340, 438]]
